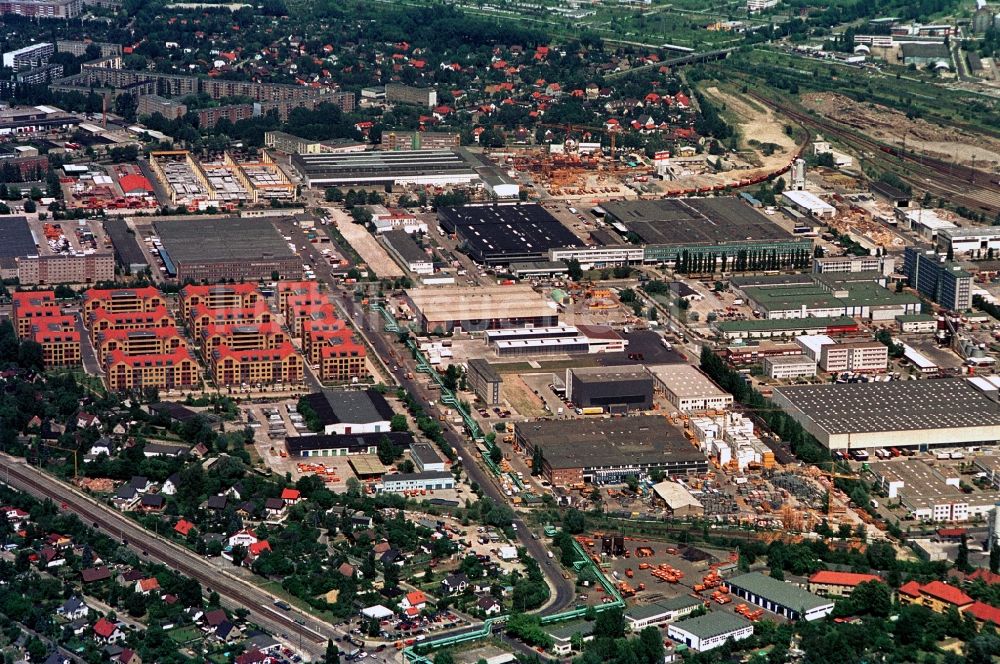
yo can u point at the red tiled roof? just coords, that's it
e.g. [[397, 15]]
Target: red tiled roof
[[104, 628], [841, 578], [983, 574], [290, 494], [910, 588], [984, 612], [946, 593], [133, 182], [184, 527]]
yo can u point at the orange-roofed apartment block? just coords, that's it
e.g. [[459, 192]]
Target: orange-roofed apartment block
[[330, 344], [59, 339], [162, 370], [222, 296], [202, 316], [827, 583], [117, 300], [241, 336], [257, 367], [152, 341], [304, 292], [30, 307], [100, 320]]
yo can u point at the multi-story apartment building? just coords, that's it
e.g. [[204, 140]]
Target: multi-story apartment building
[[300, 313], [61, 9], [59, 339], [153, 341], [66, 269], [330, 345], [78, 48], [162, 370], [303, 292], [27, 57], [100, 320], [240, 336], [223, 296], [123, 299], [202, 316], [256, 367], [30, 307]]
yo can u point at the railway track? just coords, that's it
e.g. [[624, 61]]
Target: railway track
[[972, 188], [237, 592]]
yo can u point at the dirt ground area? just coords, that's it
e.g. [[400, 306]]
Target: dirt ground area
[[367, 247], [520, 396], [760, 124], [890, 125]]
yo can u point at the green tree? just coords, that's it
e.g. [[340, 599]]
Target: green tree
[[995, 558], [573, 269], [399, 423], [574, 522]]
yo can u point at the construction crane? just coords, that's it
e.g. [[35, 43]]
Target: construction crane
[[612, 133]]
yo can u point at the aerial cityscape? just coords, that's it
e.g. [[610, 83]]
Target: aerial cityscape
[[500, 332]]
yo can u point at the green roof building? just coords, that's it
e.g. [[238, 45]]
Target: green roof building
[[780, 597], [710, 630]]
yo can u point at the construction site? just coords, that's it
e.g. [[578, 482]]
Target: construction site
[[120, 189], [224, 182]]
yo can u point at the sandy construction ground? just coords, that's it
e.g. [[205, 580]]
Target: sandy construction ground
[[373, 253], [892, 126]]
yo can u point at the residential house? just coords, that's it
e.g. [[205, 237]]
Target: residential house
[[215, 618], [414, 600], [264, 643], [243, 538], [146, 586], [274, 507], [152, 502], [171, 485], [129, 656], [489, 606], [291, 496], [455, 583], [183, 527], [73, 609], [217, 503], [95, 574], [108, 632]]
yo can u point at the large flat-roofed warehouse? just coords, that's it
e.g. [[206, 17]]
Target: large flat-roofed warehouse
[[909, 413], [615, 389], [16, 241], [441, 310], [608, 449], [722, 226], [779, 597], [217, 249], [688, 389], [501, 234], [378, 168], [127, 251]]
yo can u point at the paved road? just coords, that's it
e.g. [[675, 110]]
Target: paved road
[[564, 594], [297, 629]]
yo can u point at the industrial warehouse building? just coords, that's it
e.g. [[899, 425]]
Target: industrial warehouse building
[[722, 230], [779, 597], [442, 310], [501, 234], [606, 450], [430, 481], [555, 340], [407, 252], [657, 613], [127, 251], [774, 329], [909, 413], [380, 168], [239, 249], [324, 445], [710, 630], [615, 389], [688, 389], [350, 411], [484, 381], [930, 493], [819, 295]]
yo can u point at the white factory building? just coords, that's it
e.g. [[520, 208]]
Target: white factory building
[[781, 367], [911, 413], [688, 389], [810, 203]]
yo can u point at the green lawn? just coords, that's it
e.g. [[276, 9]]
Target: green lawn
[[183, 635]]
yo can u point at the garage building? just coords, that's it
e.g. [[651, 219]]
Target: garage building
[[688, 389]]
